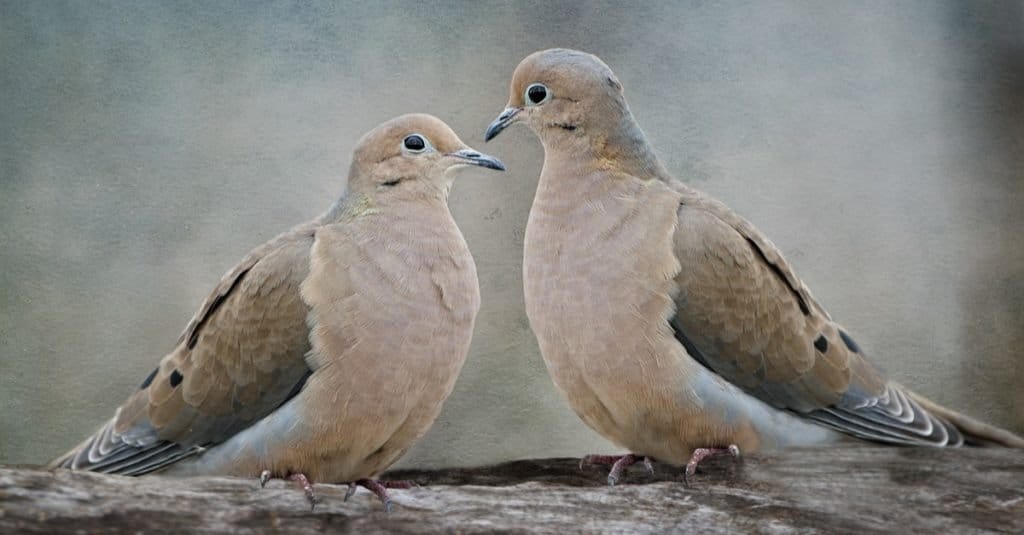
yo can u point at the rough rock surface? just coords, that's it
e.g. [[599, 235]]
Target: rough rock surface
[[862, 490]]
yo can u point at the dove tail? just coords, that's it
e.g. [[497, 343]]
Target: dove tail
[[66, 460], [110, 453], [976, 433]]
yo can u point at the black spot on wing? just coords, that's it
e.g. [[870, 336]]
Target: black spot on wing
[[821, 344], [194, 337], [849, 341], [149, 380], [176, 378], [782, 277]]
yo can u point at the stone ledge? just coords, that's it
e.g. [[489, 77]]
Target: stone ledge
[[826, 490]]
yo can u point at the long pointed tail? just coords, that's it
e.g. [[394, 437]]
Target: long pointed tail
[[117, 453], [66, 460], [975, 433]]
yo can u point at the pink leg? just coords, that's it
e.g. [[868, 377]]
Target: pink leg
[[618, 463], [700, 454], [301, 479], [379, 488], [307, 486]]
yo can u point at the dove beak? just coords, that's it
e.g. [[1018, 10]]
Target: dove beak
[[503, 121], [472, 157]]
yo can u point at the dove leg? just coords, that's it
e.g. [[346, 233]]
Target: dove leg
[[380, 488], [618, 463], [301, 479], [700, 454], [307, 487]]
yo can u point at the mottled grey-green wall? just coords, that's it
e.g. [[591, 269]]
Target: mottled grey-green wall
[[146, 146]]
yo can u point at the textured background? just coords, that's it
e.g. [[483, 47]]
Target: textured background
[[146, 147]]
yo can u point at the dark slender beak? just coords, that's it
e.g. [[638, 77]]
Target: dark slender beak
[[503, 121], [472, 157]]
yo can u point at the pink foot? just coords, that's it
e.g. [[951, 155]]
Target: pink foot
[[380, 488], [700, 454], [618, 464], [301, 479]]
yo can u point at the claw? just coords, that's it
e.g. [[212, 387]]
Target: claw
[[649, 465], [351, 490], [619, 464], [700, 454], [379, 488], [307, 486], [588, 460]]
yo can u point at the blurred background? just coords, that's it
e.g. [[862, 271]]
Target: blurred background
[[145, 147]]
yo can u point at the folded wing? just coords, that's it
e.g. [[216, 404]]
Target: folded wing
[[241, 356]]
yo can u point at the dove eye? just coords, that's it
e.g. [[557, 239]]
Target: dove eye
[[414, 143], [537, 94]]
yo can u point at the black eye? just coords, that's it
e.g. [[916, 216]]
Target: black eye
[[414, 143], [536, 93]]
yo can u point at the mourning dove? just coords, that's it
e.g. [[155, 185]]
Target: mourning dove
[[329, 349], [672, 325]]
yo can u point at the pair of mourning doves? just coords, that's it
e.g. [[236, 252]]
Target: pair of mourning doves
[[672, 325], [329, 349]]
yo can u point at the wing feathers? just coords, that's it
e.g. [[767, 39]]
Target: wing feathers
[[743, 313], [241, 356]]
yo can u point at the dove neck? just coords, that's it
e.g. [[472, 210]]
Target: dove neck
[[628, 145], [614, 141], [349, 205], [355, 205]]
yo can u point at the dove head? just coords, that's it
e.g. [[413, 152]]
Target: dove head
[[561, 93], [411, 156], [575, 105]]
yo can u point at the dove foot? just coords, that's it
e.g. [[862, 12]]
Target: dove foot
[[618, 464], [301, 479], [380, 488], [700, 454]]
